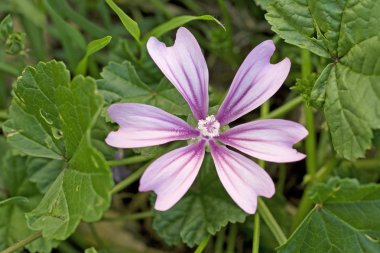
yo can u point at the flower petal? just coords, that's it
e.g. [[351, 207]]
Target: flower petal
[[254, 83], [144, 125], [270, 139], [243, 179], [171, 175], [185, 67]]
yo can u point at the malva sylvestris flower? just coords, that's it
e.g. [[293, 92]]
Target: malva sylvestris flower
[[171, 175]]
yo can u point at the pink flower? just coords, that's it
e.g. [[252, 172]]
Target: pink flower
[[171, 175]]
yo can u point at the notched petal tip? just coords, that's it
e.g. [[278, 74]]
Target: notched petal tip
[[268, 44], [154, 44], [185, 67], [303, 132], [284, 66], [255, 82]]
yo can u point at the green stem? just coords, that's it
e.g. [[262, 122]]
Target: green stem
[[306, 66], [283, 110], [22, 243], [306, 203], [264, 111], [271, 222], [220, 241], [9, 69], [129, 160], [136, 175], [229, 32], [65, 247], [231, 238], [310, 142], [368, 164], [129, 180], [3, 114], [202, 245], [311, 161], [256, 234], [134, 216], [281, 179]]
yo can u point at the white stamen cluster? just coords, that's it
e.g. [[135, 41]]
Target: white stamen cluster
[[209, 126]]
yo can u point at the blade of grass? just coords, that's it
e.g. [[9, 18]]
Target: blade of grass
[[175, 23], [129, 24]]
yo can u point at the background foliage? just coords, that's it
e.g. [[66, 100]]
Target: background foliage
[[63, 62]]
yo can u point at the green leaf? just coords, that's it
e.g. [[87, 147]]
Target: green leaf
[[22, 196], [304, 86], [6, 27], [43, 172], [347, 32], [17, 200], [204, 210], [91, 250], [14, 41], [51, 117], [177, 22], [121, 83], [345, 219], [318, 92], [262, 3], [129, 24], [294, 23], [92, 47]]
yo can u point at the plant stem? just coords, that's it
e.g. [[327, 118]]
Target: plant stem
[[23, 242], [311, 161], [220, 241], [368, 164], [271, 222], [306, 203], [231, 238], [283, 110], [3, 114], [133, 216], [129, 160], [65, 247], [136, 175], [129, 180], [256, 234], [264, 111], [281, 179], [202, 245], [9, 69]]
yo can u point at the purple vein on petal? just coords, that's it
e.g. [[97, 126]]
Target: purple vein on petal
[[183, 64], [255, 82], [243, 179], [270, 140], [144, 125], [171, 175]]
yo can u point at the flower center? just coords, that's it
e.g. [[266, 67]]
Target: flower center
[[209, 126]]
